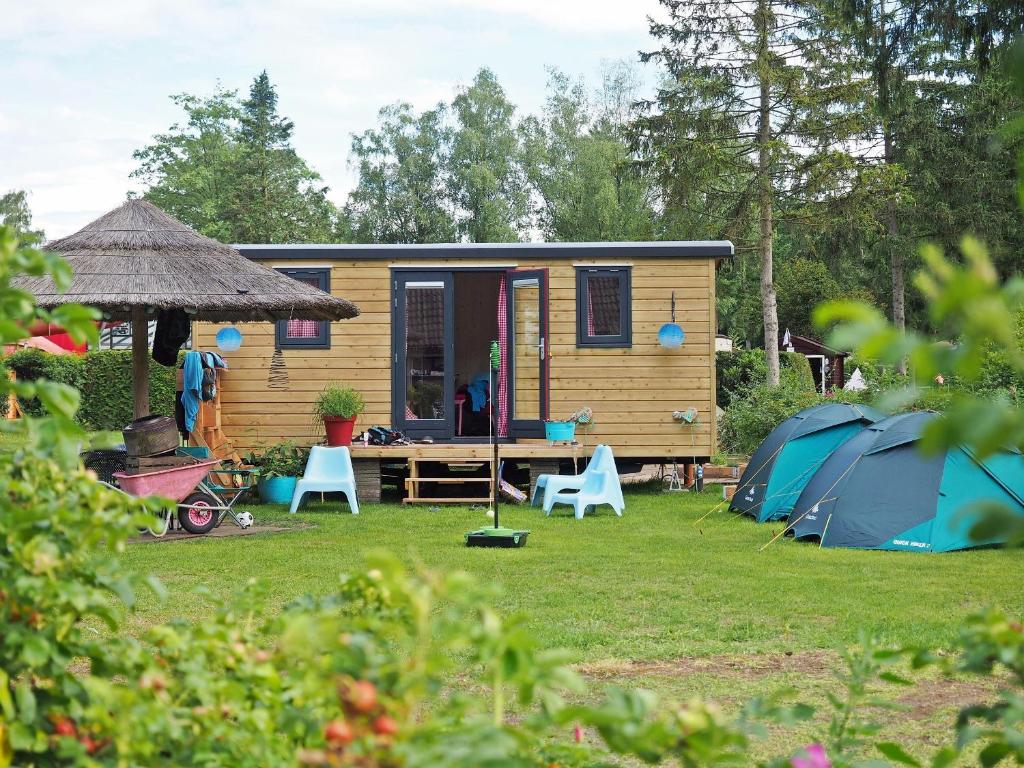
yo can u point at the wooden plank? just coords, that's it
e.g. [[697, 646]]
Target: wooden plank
[[411, 500]]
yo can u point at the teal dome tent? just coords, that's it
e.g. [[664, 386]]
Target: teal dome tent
[[878, 491], [788, 458]]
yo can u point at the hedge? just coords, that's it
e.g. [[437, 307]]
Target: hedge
[[743, 369], [103, 377], [107, 389]]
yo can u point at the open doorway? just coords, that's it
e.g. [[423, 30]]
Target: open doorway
[[443, 323], [476, 326]]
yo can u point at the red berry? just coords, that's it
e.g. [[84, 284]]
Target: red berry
[[361, 697], [385, 726], [338, 732], [63, 726]]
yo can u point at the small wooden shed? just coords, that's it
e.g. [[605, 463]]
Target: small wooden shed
[[577, 324], [828, 366]]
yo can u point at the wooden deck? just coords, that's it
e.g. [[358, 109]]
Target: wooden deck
[[451, 451]]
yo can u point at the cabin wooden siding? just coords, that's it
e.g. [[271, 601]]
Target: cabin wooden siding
[[632, 391]]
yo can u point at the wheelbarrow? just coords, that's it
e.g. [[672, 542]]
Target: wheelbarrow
[[199, 509]]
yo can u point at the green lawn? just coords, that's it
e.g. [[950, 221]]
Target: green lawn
[[653, 598]]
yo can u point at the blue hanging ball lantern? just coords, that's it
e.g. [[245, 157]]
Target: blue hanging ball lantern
[[671, 336], [229, 339]]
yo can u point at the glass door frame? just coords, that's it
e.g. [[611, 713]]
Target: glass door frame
[[529, 428], [439, 429]]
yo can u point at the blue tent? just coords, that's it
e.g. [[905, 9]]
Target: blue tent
[[878, 491], [792, 453]]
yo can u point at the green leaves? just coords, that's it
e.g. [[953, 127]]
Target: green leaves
[[896, 753]]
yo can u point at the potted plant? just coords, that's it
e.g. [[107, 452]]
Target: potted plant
[[280, 467], [338, 406]]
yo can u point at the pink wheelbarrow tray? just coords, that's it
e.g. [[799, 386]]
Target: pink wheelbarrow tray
[[179, 484]]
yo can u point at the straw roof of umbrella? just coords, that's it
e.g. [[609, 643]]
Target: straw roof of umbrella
[[139, 256]]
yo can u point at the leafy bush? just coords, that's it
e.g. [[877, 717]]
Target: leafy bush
[[280, 460], [749, 418], [339, 401], [739, 371], [104, 379], [107, 389], [34, 364]]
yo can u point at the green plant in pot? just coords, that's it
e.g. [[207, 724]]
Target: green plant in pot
[[339, 406], [279, 466]]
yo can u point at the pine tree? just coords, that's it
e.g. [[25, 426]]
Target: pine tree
[[760, 101], [230, 172], [279, 198]]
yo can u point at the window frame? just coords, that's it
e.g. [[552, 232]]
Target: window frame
[[323, 338], [624, 338]]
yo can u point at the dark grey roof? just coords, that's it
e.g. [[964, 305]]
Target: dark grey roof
[[666, 249]]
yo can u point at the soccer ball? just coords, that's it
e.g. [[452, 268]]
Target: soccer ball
[[245, 519]]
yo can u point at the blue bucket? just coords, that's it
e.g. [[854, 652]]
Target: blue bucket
[[277, 490], [559, 430]]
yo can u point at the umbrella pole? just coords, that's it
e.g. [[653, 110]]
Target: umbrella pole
[[140, 362]]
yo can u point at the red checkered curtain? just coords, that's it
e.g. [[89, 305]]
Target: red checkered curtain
[[503, 367], [302, 329]]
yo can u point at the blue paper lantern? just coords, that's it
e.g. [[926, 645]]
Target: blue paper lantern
[[229, 339], [671, 336]]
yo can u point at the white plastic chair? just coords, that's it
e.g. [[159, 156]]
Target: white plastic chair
[[327, 469], [601, 487], [548, 485]]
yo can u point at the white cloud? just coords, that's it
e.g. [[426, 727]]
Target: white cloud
[[86, 83]]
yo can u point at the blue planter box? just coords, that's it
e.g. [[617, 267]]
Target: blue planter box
[[277, 490], [559, 430]]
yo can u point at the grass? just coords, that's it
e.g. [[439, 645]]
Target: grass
[[654, 599], [650, 585]]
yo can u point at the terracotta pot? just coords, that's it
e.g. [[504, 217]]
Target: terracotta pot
[[339, 430]]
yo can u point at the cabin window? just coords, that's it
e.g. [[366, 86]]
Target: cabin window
[[603, 311], [306, 334]]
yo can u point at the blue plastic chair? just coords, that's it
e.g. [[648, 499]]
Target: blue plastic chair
[[548, 485], [327, 470], [601, 487]]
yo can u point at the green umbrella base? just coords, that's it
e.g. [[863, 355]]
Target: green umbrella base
[[496, 537]]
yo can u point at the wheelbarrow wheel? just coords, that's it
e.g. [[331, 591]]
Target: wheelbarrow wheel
[[197, 513]]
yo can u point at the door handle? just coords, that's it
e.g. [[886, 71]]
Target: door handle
[[541, 347]]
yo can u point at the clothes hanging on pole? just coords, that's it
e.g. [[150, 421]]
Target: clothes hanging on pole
[[192, 388], [173, 327]]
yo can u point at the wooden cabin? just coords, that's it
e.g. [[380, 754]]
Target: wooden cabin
[[578, 325], [828, 366]]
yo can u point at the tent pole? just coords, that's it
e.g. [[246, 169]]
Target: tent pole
[[140, 362]]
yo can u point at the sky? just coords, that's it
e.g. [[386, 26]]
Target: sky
[[83, 83]]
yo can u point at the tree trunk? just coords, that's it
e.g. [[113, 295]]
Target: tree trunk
[[140, 362], [892, 225], [769, 308], [896, 265]]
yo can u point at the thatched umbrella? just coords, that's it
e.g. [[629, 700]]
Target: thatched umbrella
[[137, 259]]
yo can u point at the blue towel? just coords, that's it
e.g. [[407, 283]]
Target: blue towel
[[192, 387], [477, 391]]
